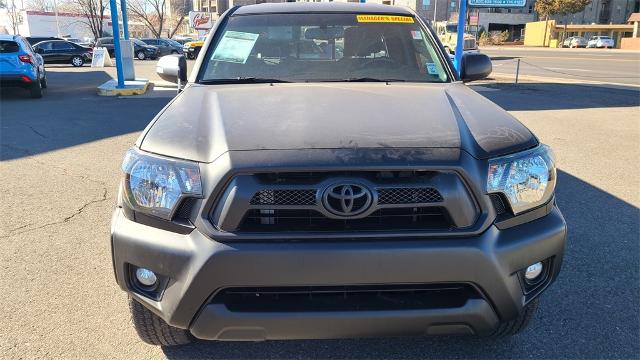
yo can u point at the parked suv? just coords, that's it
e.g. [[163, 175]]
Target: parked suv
[[192, 48], [32, 40], [165, 46], [366, 192], [141, 50], [20, 66]]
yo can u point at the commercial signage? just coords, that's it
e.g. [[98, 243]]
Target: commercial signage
[[498, 3], [200, 20], [101, 58]]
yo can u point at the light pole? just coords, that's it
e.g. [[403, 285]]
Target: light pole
[[125, 21], [116, 42], [55, 9], [462, 17], [435, 11]]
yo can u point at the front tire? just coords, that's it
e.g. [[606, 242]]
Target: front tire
[[513, 327], [140, 55], [153, 330], [77, 61]]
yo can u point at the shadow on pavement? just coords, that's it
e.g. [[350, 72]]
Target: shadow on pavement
[[557, 96], [70, 113], [592, 311], [499, 58]]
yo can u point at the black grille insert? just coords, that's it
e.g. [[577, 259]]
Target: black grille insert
[[284, 197], [346, 298], [408, 195], [412, 218], [498, 204]]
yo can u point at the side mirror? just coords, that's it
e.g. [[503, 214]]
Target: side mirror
[[172, 68], [39, 50], [475, 67]]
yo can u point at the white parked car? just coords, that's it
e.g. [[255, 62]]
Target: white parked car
[[601, 42]]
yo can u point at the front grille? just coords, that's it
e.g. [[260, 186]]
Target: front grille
[[414, 218], [184, 211], [354, 203], [345, 298], [498, 204], [408, 196], [284, 197]]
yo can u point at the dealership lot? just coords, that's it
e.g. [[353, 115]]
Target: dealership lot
[[60, 160]]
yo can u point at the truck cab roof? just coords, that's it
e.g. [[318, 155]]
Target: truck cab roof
[[333, 7]]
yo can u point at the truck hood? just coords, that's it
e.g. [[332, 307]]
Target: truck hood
[[205, 121]]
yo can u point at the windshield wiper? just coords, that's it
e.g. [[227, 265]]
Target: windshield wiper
[[242, 80], [358, 79]]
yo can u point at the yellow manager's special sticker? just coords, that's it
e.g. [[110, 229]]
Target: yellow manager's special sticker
[[385, 19]]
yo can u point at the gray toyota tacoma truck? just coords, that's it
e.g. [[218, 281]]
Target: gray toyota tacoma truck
[[326, 173]]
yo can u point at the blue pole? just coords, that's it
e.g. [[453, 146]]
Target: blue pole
[[125, 19], [116, 42], [462, 18]]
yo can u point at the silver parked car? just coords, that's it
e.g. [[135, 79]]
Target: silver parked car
[[574, 42], [601, 42]]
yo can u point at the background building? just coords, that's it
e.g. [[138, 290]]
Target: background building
[[45, 23], [602, 12]]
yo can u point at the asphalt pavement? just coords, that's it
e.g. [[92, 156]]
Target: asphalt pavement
[[59, 170], [579, 65]]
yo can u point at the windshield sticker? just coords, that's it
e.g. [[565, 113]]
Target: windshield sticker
[[432, 69], [417, 35], [384, 19], [235, 47]]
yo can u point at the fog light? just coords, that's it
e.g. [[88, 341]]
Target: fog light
[[533, 271], [146, 277]]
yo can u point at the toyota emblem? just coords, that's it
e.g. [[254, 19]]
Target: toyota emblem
[[347, 200]]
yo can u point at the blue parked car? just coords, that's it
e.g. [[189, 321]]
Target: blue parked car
[[21, 66]]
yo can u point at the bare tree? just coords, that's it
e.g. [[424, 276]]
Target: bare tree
[[13, 14], [39, 5], [547, 8], [93, 13], [179, 11], [152, 13]]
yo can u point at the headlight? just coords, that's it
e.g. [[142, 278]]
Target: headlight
[[527, 179], [155, 185]]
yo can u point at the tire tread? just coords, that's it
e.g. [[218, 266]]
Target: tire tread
[[512, 327], [153, 330]]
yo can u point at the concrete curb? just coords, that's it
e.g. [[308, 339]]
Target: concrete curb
[[132, 87], [524, 79], [548, 49]]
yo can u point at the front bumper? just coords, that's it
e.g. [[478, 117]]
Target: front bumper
[[197, 267]]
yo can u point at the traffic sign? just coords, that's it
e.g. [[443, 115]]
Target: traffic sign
[[498, 3]]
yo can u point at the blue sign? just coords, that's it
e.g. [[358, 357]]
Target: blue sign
[[498, 3]]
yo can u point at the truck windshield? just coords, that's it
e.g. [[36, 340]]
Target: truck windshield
[[322, 47]]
